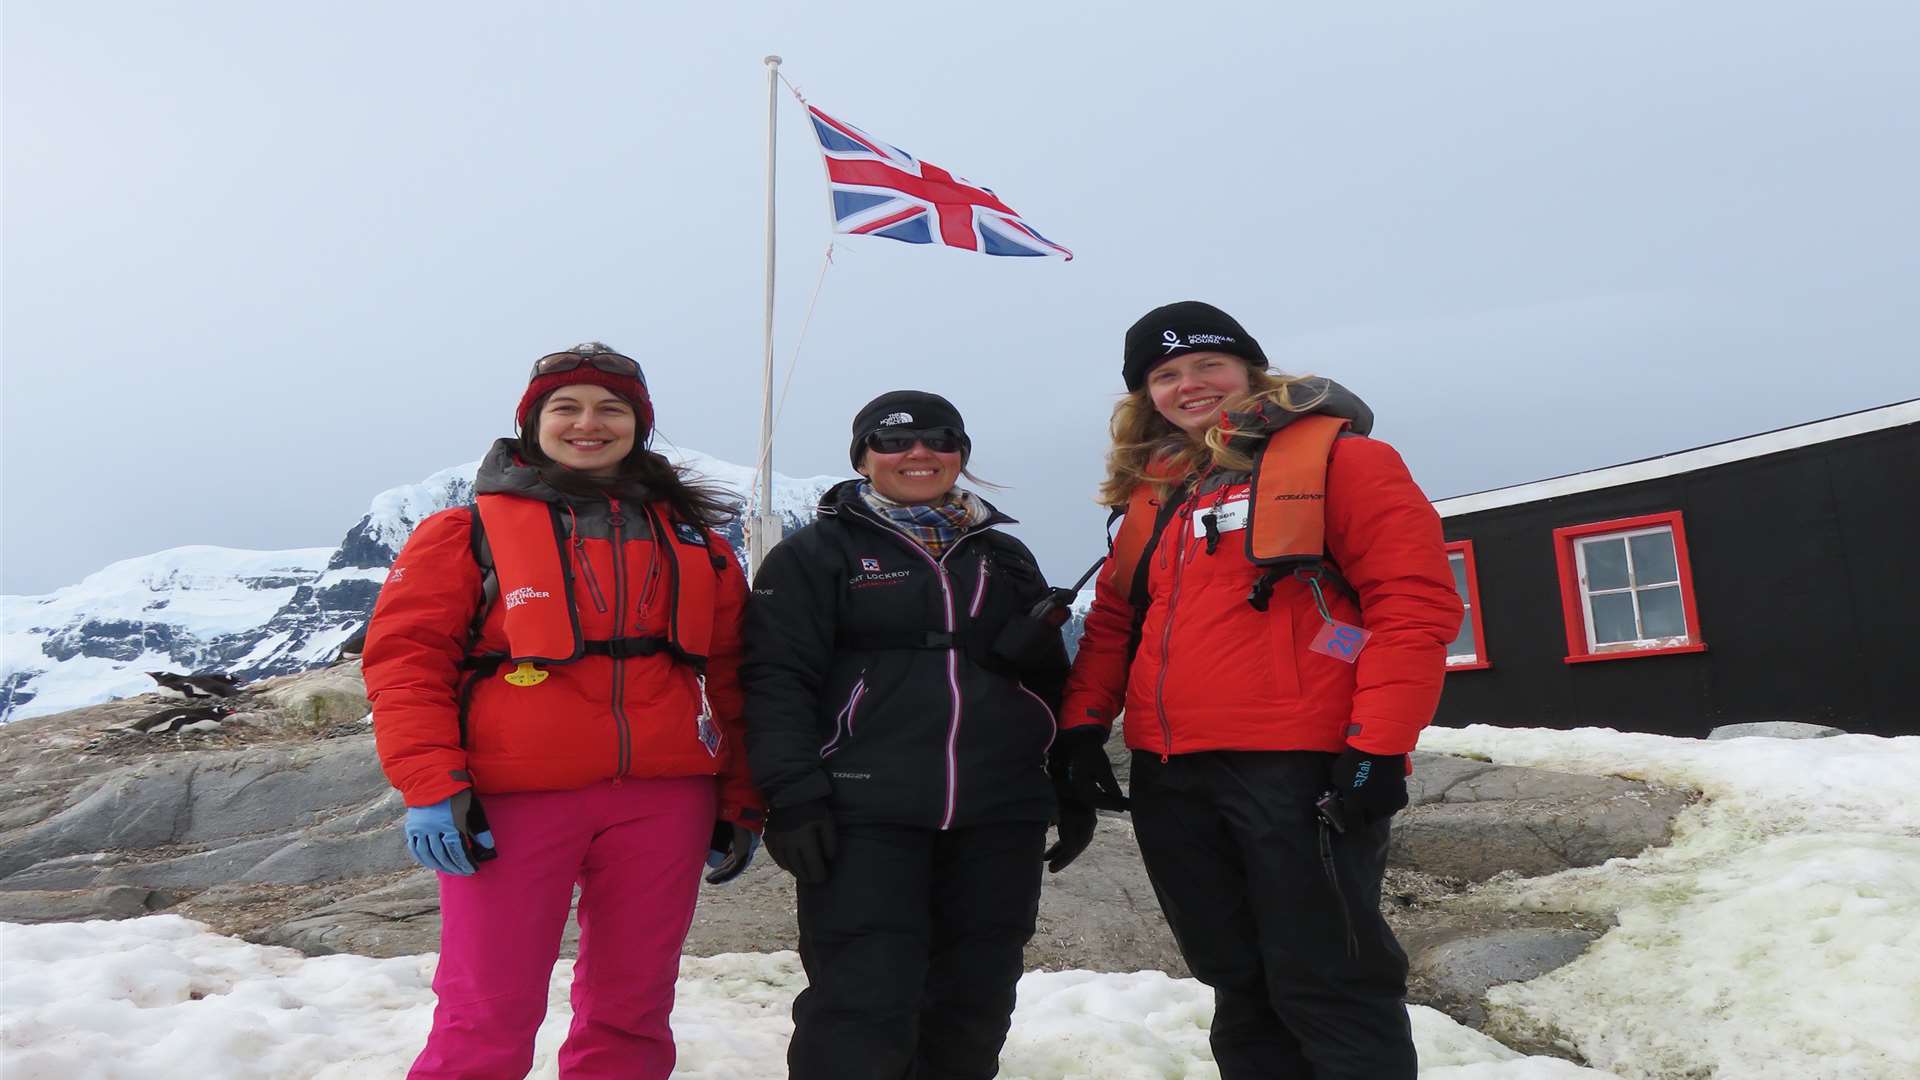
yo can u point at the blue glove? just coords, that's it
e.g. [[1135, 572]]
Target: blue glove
[[730, 851], [436, 840]]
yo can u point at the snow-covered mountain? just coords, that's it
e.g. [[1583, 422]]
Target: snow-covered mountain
[[250, 613]]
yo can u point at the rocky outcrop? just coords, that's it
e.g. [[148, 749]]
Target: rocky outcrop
[[1774, 729], [1454, 967], [279, 827], [1471, 820]]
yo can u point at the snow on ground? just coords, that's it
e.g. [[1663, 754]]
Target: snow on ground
[[1777, 936], [159, 998]]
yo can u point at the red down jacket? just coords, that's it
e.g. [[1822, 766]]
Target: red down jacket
[[597, 718], [1212, 673]]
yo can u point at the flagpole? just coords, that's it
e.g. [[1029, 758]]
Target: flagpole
[[764, 527]]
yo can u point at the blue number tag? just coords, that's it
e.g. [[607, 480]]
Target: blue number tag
[[709, 731], [1342, 641]]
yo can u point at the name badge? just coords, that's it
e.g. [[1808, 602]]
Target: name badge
[[1228, 517]]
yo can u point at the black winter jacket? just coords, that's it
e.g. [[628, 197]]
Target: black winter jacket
[[870, 674]]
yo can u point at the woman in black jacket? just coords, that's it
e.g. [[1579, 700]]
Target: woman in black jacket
[[901, 696]]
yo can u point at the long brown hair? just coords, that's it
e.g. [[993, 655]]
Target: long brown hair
[[1149, 449], [644, 476]]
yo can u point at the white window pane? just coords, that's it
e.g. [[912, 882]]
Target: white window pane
[[1463, 645], [1613, 618], [1661, 613], [1653, 558], [1606, 563], [1459, 564]]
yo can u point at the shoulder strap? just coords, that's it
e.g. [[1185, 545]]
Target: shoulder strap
[[1146, 518], [694, 582], [1139, 531], [1287, 515], [489, 579]]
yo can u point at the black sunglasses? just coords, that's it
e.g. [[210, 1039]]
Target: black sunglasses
[[899, 442], [610, 362]]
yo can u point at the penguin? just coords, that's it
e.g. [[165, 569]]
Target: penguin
[[170, 720], [215, 684], [351, 648], [175, 682]]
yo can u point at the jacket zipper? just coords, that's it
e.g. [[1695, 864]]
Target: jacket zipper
[[586, 572], [1053, 722], [979, 590], [953, 684], [625, 748], [1183, 518], [843, 723], [953, 656]]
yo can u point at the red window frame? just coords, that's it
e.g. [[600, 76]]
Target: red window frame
[[1464, 548], [1572, 604]]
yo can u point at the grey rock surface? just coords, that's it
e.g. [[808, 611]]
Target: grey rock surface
[[326, 696], [1774, 729], [399, 916], [1456, 967], [1472, 820], [86, 805], [79, 905]]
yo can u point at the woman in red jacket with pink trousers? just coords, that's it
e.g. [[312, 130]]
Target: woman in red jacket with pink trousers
[[1273, 622], [553, 678]]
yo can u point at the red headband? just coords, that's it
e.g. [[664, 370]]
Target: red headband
[[633, 390]]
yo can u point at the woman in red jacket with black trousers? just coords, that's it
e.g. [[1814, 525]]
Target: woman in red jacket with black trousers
[[565, 650], [1273, 621]]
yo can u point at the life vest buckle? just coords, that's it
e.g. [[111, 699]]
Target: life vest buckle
[[1261, 595], [526, 675]]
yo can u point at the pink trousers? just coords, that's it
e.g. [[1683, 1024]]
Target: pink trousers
[[636, 849]]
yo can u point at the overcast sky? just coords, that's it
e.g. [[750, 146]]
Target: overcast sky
[[262, 261]]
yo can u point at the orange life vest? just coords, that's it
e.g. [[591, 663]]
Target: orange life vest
[[1287, 519], [528, 543]]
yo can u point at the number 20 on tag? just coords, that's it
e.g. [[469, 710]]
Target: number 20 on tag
[[1342, 641]]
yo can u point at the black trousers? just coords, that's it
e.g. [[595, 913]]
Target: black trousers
[[912, 948], [1308, 980]]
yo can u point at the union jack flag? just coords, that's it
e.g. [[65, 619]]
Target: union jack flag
[[881, 190]]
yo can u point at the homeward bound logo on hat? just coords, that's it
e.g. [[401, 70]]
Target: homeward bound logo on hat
[[1171, 339], [894, 419]]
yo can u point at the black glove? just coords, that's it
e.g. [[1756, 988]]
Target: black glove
[[729, 851], [1080, 769], [800, 838], [1370, 786], [1076, 832]]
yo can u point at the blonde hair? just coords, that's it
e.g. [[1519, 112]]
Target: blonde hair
[[1149, 449]]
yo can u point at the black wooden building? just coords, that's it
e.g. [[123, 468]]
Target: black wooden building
[[1774, 577]]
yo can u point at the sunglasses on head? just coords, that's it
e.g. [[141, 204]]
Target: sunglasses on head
[[899, 442], [610, 362]]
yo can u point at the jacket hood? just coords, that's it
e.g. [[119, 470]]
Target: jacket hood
[[1247, 429], [503, 472]]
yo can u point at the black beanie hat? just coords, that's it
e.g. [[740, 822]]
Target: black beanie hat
[[1188, 326], [908, 410]]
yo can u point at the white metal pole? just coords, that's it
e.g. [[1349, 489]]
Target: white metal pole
[[764, 526]]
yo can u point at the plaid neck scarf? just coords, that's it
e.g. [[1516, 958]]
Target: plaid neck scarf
[[933, 527]]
